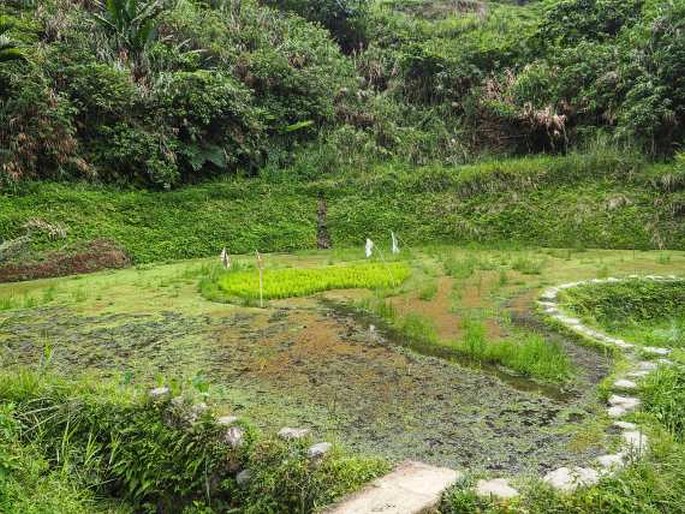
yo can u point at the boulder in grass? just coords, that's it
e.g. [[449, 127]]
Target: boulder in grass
[[234, 437]]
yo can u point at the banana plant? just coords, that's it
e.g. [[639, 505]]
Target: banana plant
[[133, 23]]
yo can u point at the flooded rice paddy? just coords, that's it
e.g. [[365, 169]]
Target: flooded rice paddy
[[318, 362]]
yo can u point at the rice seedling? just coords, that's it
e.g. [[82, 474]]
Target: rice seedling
[[293, 282]]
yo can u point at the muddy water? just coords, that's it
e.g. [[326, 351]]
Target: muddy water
[[312, 365]]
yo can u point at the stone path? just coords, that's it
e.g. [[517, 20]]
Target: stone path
[[415, 487], [412, 488]]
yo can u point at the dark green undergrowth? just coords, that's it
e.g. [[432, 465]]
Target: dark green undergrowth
[[591, 200], [83, 446], [652, 484]]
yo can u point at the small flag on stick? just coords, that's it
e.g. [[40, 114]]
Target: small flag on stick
[[368, 249], [395, 244]]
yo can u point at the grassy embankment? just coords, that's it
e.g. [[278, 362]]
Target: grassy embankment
[[600, 200]]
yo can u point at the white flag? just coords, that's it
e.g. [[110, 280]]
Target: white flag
[[368, 249], [225, 259]]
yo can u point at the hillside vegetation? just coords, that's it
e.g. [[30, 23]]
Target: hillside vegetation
[[512, 147], [164, 92]]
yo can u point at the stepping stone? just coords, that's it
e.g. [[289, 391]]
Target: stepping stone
[[626, 425], [620, 343], [569, 479], [628, 402], [550, 294], [656, 350], [640, 373], [647, 366], [412, 488], [625, 384], [613, 461], [636, 441], [567, 320], [621, 405], [665, 362], [496, 488], [288, 433]]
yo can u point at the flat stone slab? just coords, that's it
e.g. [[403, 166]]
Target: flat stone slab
[[496, 488], [654, 350], [635, 441], [626, 425], [412, 488], [611, 461], [569, 479], [625, 384]]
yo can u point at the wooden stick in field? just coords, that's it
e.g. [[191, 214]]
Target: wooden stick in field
[[260, 267]]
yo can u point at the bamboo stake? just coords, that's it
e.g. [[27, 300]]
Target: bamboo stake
[[260, 267]]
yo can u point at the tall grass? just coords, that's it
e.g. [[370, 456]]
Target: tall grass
[[529, 355]]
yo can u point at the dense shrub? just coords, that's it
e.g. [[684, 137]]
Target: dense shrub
[[175, 92]]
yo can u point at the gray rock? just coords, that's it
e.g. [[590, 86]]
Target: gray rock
[[288, 433], [318, 450], [569, 479], [612, 461], [656, 350], [635, 441], [412, 488], [627, 402], [625, 425], [496, 488], [234, 437], [159, 392], [625, 384], [647, 366], [639, 373], [243, 477]]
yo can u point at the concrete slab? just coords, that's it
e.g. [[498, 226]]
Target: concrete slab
[[412, 488]]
